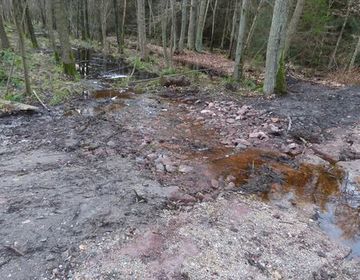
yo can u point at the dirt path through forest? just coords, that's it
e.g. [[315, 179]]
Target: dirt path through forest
[[183, 184]]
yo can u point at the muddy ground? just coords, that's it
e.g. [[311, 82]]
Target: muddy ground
[[183, 184]]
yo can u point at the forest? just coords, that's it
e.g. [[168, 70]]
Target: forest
[[179, 139]]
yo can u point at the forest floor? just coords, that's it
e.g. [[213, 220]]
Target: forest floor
[[183, 183]]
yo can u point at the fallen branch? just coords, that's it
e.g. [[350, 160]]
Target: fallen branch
[[42, 103]]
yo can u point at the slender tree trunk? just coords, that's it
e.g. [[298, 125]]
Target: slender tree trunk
[[226, 24], [355, 54], [164, 6], [253, 25], [192, 25], [204, 5], [3, 37], [82, 20], [86, 11], [30, 27], [151, 16], [233, 28], [333, 55], [213, 25], [293, 25], [275, 45], [141, 28], [19, 14], [173, 25], [103, 17], [239, 57], [122, 28], [184, 4], [49, 25], [62, 27]]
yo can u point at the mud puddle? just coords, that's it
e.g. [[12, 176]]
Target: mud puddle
[[277, 178], [93, 65]]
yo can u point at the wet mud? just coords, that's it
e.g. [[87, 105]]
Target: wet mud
[[105, 167]]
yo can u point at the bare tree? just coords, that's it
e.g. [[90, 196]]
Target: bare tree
[[30, 26], [332, 60], [3, 37], [192, 25], [164, 19], [214, 7], [62, 28], [184, 4], [19, 15], [173, 25], [141, 28], [49, 25], [293, 24], [275, 45], [104, 13], [239, 57], [203, 9]]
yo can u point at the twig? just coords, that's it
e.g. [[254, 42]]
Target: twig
[[42, 103], [289, 125]]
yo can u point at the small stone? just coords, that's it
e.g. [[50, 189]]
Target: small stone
[[260, 135], [214, 184], [185, 169], [275, 120], [160, 167], [230, 120], [231, 185], [321, 254], [111, 143]]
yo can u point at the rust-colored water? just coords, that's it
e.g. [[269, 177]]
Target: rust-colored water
[[110, 93]]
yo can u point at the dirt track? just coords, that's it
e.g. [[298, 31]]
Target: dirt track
[[103, 188]]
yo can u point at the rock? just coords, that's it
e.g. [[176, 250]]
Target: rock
[[211, 104], [160, 167], [260, 135], [231, 185], [230, 120], [170, 168], [243, 110], [242, 142], [275, 130], [207, 112], [215, 184], [179, 196], [313, 159], [185, 169], [275, 120], [230, 178], [111, 144]]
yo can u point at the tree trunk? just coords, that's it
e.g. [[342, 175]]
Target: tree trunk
[[3, 37], [104, 10], [82, 20], [275, 45], [355, 54], [164, 7], [30, 27], [62, 27], [173, 25], [253, 25], [333, 56], [226, 24], [184, 4], [293, 25], [204, 5], [239, 57], [19, 14], [233, 28], [192, 25], [50, 24], [213, 25], [86, 11], [141, 26], [151, 17], [122, 28]]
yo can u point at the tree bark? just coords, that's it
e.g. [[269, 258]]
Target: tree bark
[[173, 25], [184, 4], [293, 25], [19, 14], [5, 44], [233, 28], [62, 27], [122, 28], [355, 54], [49, 25], [239, 57], [30, 27], [275, 45], [213, 25], [192, 25], [204, 5], [164, 7], [104, 10], [141, 26]]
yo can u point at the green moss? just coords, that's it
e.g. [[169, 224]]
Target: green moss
[[280, 86]]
